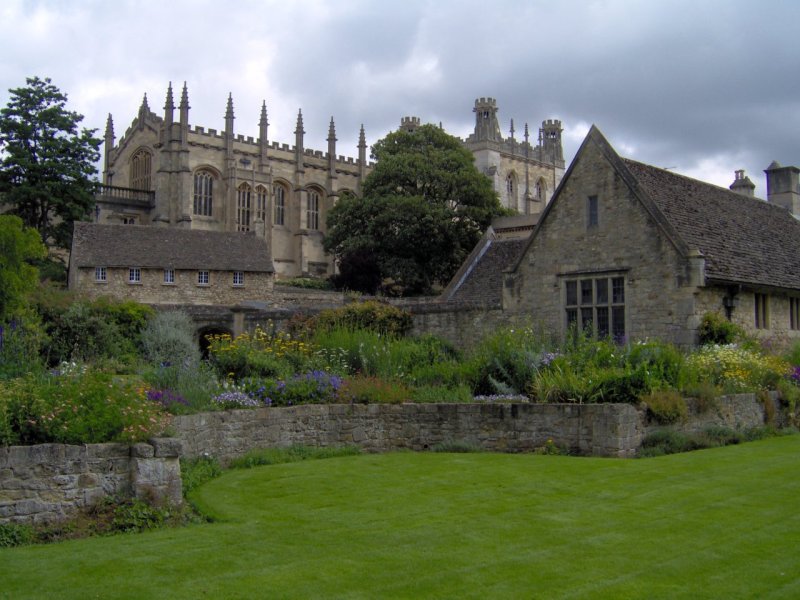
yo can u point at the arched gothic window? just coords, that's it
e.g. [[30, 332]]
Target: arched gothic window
[[280, 204], [140, 170], [243, 208], [261, 203], [539, 190], [312, 212], [203, 193], [511, 190]]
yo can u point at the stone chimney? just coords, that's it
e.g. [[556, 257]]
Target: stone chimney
[[742, 184], [783, 187]]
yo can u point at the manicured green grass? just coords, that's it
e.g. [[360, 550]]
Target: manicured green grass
[[720, 523]]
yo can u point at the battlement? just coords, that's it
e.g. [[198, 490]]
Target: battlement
[[410, 123], [489, 101], [551, 123]]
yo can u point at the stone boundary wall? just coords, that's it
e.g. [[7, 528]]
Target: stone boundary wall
[[613, 430], [50, 482], [596, 429]]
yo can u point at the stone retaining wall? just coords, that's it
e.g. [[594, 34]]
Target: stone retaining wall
[[50, 482], [598, 429]]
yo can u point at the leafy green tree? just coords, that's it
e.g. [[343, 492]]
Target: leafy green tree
[[20, 247], [424, 207], [47, 164]]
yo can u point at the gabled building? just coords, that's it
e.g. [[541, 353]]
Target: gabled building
[[155, 265], [633, 251]]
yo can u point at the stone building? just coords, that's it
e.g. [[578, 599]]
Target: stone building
[[524, 176], [632, 251], [156, 265], [165, 172]]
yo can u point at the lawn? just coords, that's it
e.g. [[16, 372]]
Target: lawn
[[720, 523]]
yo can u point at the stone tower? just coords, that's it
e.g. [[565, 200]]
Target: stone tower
[[486, 125], [523, 176], [783, 187]]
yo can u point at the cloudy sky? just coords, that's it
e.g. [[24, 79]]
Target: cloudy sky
[[703, 87]]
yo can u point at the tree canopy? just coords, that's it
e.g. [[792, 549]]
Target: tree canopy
[[424, 207], [47, 164], [20, 247]]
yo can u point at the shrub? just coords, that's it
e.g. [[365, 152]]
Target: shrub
[[258, 354], [82, 408], [666, 441], [308, 283], [82, 330], [662, 363], [372, 390], [194, 385], [371, 315], [15, 534], [506, 362], [716, 329], [790, 397], [197, 471], [665, 406], [549, 448], [439, 393], [736, 369], [20, 342], [169, 339]]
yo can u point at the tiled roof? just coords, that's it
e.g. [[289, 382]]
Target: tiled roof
[[482, 280], [744, 239], [167, 247]]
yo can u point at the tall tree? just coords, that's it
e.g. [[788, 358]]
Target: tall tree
[[47, 163], [20, 248], [424, 207]]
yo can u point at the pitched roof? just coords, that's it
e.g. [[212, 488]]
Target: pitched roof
[[744, 240], [480, 278], [167, 247]]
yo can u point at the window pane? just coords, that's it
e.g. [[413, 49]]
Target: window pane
[[586, 319], [618, 290], [572, 293], [602, 290], [618, 322], [602, 322], [586, 291], [572, 316]]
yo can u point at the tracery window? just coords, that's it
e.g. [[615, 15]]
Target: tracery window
[[261, 203], [312, 212], [140, 170], [280, 204], [243, 208], [203, 193]]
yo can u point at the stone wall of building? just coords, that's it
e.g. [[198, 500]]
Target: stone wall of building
[[50, 482], [220, 290], [625, 242]]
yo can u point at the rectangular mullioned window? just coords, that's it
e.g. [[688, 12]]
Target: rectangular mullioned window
[[596, 305], [169, 276], [100, 274], [202, 278], [238, 278], [134, 275]]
